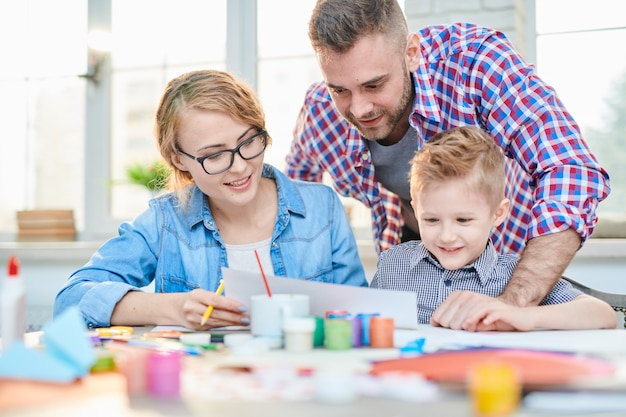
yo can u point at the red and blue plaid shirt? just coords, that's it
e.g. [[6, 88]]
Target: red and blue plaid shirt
[[467, 75]]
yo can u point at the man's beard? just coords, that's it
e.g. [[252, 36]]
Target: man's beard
[[395, 116]]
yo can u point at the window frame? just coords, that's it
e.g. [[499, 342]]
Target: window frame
[[241, 59]]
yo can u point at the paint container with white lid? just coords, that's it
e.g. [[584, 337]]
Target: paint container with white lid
[[299, 333]]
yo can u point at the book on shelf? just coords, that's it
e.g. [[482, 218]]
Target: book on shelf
[[46, 225]]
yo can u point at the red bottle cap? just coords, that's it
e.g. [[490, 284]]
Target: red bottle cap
[[13, 267]]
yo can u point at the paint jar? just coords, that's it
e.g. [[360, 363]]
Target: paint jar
[[357, 329], [267, 314], [495, 389], [163, 373], [365, 327], [381, 332], [299, 333], [318, 333], [335, 313], [130, 361], [338, 334]]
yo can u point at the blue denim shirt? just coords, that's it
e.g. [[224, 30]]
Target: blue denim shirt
[[182, 250]]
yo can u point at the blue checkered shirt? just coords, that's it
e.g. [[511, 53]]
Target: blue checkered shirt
[[410, 267]]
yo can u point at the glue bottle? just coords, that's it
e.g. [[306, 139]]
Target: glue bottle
[[13, 305]]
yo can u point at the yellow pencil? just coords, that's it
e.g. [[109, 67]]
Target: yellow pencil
[[209, 308]]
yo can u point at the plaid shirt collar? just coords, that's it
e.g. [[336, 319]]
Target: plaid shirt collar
[[483, 266], [425, 104]]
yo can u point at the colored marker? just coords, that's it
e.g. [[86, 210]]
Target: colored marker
[[160, 344]]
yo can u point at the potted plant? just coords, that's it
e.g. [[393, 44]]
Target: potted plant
[[153, 176]]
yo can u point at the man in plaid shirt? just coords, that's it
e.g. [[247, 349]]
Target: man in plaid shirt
[[386, 92]]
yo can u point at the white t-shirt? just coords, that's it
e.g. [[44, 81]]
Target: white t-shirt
[[242, 257]]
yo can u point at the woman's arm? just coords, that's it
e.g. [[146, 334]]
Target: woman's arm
[[138, 308]]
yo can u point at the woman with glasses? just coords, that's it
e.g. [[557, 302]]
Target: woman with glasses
[[226, 208]]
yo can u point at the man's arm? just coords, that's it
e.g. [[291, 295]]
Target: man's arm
[[541, 264]]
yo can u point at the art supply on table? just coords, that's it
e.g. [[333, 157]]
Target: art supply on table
[[164, 373], [299, 333], [166, 346], [268, 313], [209, 308], [365, 327], [381, 332], [357, 330], [131, 361], [105, 362], [267, 286], [232, 340], [337, 315], [121, 333], [338, 334], [318, 333], [536, 368], [494, 388], [166, 334], [13, 304], [413, 348], [195, 339], [217, 337]]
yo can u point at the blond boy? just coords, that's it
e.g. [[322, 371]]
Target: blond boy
[[458, 195]]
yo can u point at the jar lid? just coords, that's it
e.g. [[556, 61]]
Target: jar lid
[[299, 324]]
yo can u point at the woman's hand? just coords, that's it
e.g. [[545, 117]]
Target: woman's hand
[[226, 311]]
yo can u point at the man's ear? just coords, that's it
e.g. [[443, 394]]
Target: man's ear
[[412, 52], [501, 212]]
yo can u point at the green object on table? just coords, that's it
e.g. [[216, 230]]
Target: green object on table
[[338, 334], [318, 333]]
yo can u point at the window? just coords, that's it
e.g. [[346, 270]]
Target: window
[[170, 41], [41, 162], [579, 53], [52, 119]]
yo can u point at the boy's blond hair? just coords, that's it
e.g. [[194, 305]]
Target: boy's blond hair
[[464, 152]]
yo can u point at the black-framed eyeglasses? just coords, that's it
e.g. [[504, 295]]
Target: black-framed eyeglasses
[[221, 161]]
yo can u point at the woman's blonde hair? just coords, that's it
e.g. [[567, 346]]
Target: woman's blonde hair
[[203, 90]]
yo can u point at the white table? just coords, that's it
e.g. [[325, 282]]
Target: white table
[[609, 343]]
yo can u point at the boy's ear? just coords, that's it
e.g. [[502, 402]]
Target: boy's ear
[[501, 212]]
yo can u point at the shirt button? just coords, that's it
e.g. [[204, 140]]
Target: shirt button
[[447, 282], [274, 244], [365, 156]]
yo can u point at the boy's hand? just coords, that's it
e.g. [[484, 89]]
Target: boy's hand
[[467, 310]]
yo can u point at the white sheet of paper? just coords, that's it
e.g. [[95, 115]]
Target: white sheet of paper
[[598, 341], [400, 305]]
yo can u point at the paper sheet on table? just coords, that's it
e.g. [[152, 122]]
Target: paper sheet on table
[[400, 305], [597, 341]]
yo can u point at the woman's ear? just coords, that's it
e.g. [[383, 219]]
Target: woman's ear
[[175, 159], [501, 212]]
